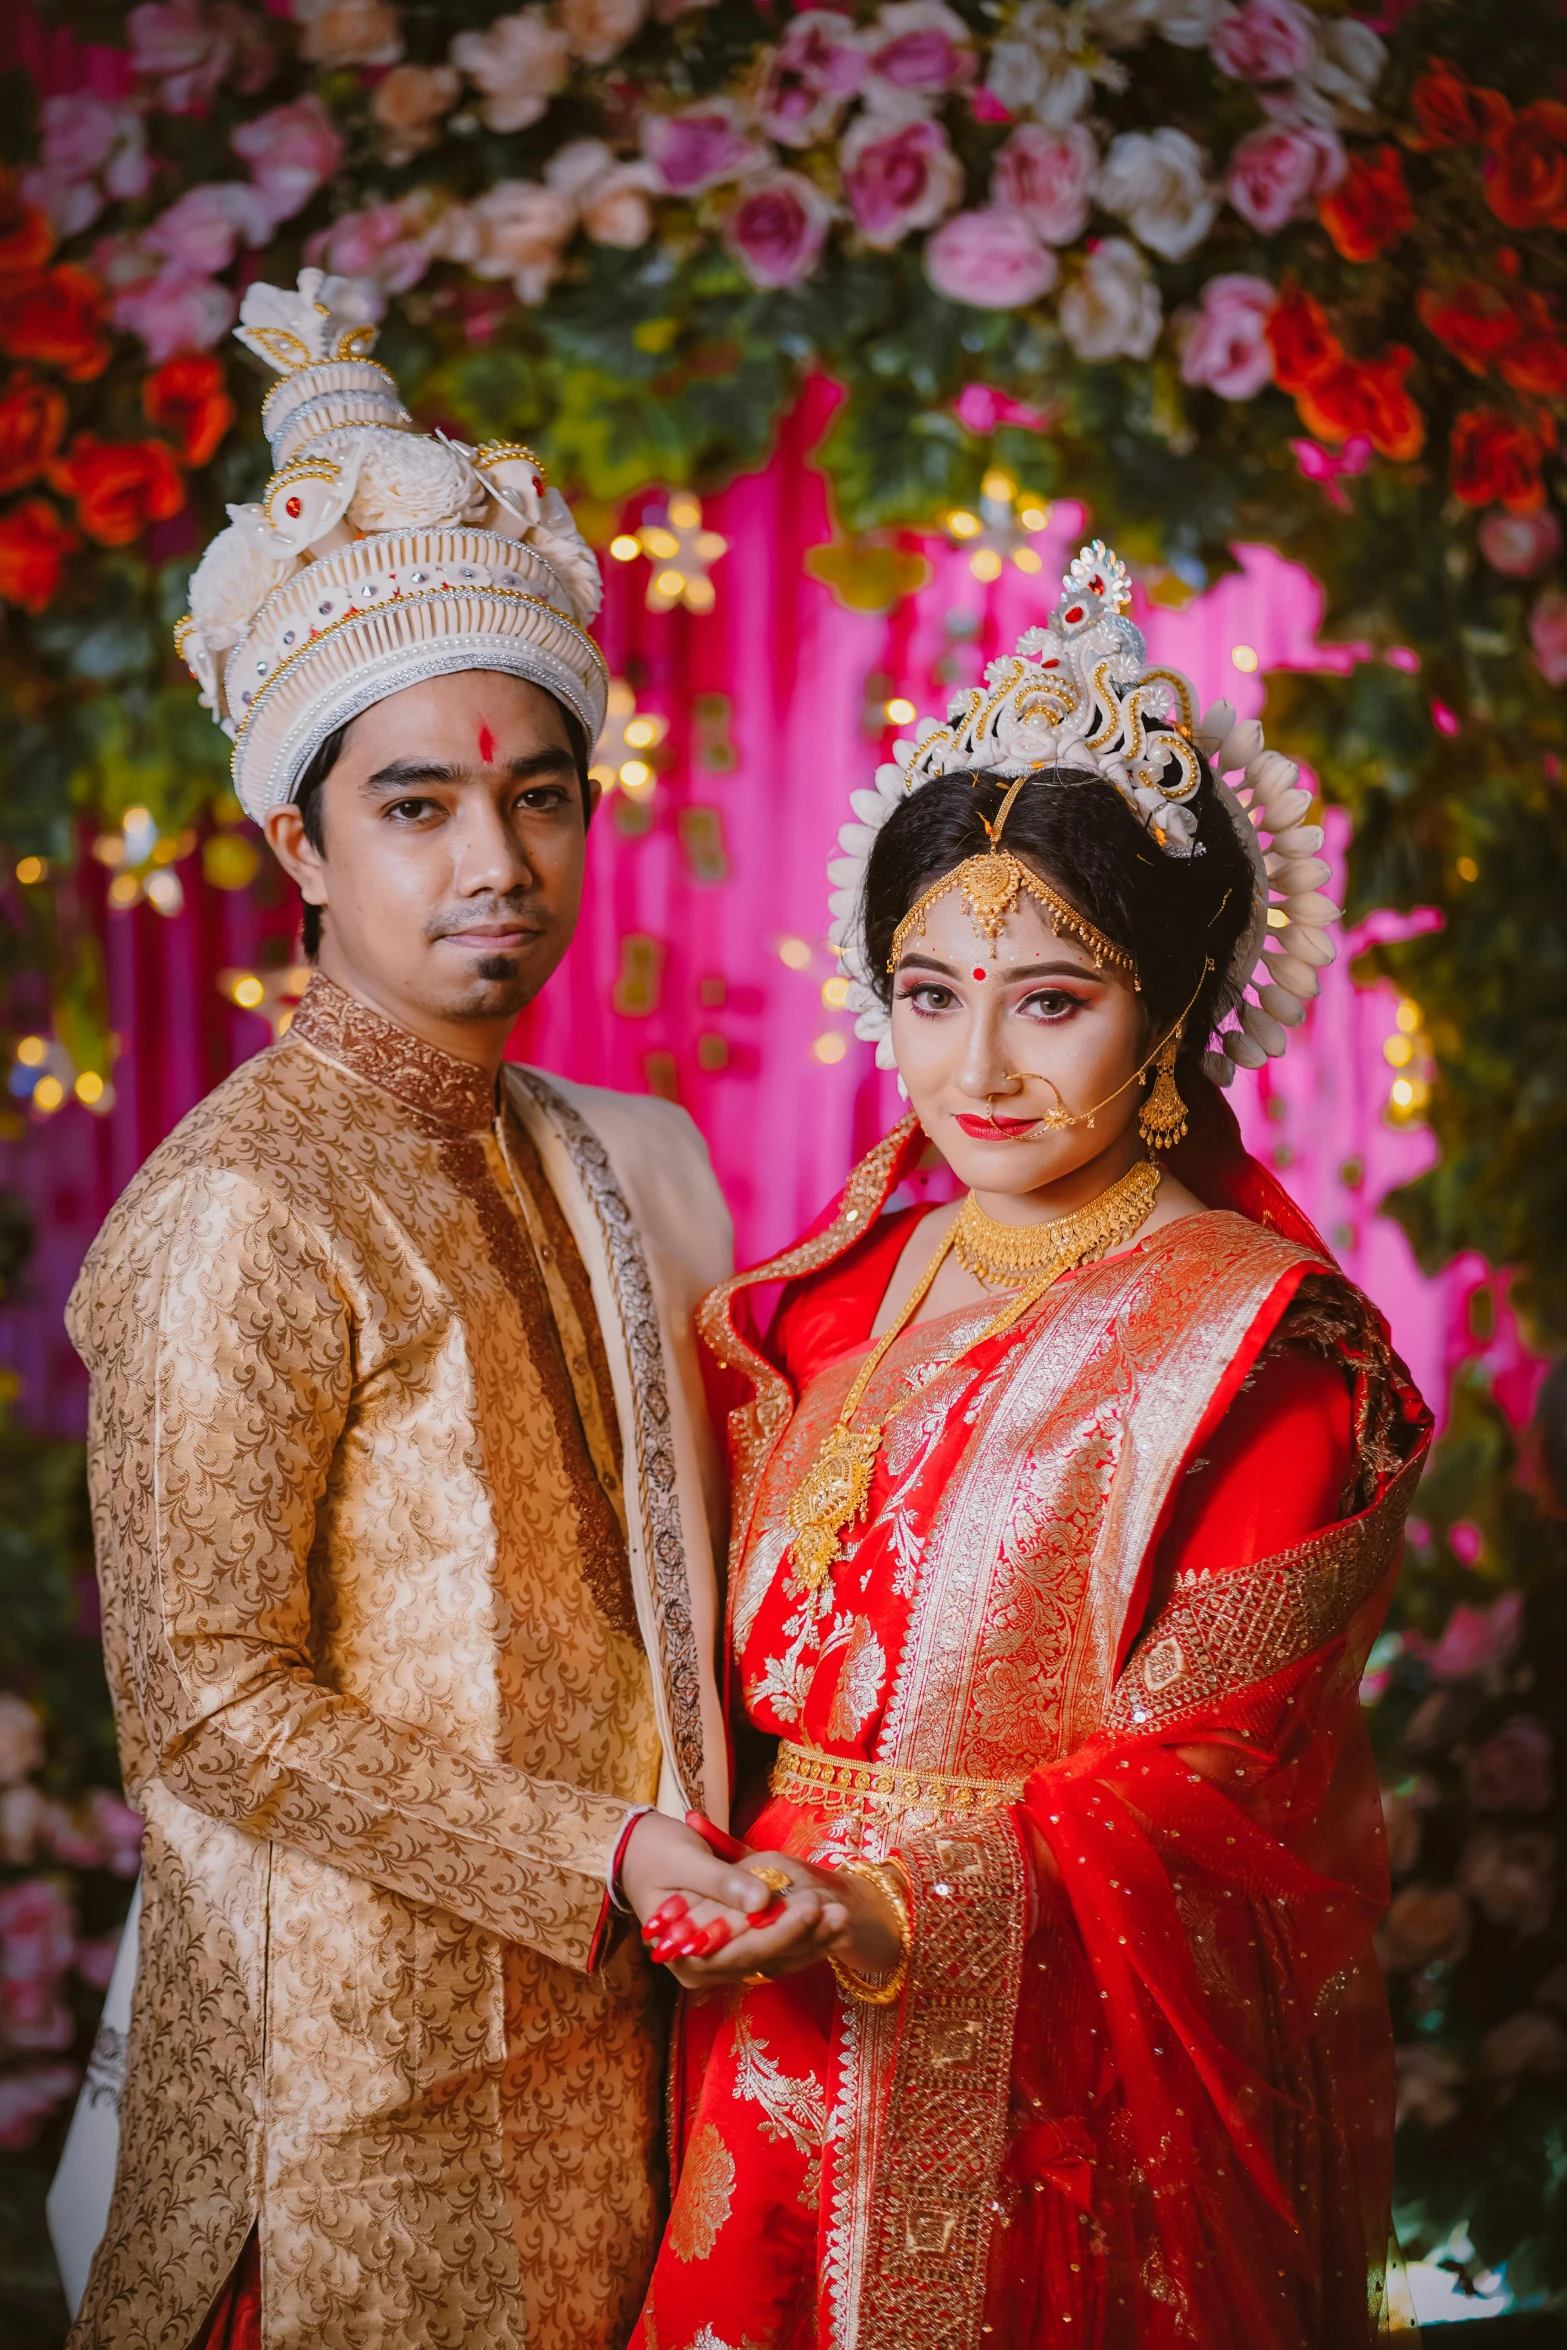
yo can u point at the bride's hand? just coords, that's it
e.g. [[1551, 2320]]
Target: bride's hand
[[826, 1913]]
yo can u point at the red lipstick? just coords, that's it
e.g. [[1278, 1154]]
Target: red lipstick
[[997, 1129]]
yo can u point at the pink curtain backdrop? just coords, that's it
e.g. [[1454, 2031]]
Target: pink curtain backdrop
[[776, 709]]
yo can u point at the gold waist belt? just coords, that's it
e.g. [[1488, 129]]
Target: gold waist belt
[[804, 1775]]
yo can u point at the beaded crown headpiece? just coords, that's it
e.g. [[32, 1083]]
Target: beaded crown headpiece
[[378, 555], [1077, 699]]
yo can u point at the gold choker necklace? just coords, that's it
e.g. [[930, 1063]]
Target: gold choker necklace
[[834, 1489], [1008, 1256]]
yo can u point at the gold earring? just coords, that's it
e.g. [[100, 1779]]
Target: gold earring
[[1162, 1119]]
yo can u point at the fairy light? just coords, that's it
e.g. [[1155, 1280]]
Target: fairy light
[[1408, 1016], [900, 712], [32, 1052], [1399, 1051], [682, 549], [48, 1094], [835, 992], [829, 1049], [998, 486], [794, 952], [1033, 516], [248, 991], [1244, 657], [624, 547], [29, 870], [1467, 869], [964, 525], [985, 563], [89, 1087], [1027, 559]]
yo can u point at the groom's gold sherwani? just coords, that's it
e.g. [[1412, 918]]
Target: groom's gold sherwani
[[400, 1494]]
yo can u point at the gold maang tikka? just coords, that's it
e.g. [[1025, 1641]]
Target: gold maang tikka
[[991, 885]]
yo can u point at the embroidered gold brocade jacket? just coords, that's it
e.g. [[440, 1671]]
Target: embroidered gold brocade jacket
[[400, 1501]]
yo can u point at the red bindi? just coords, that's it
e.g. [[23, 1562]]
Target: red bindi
[[978, 973], [486, 746]]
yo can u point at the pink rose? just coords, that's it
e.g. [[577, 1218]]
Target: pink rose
[[383, 246], [21, 1739], [1528, 2042], [1226, 344], [37, 1931], [34, 2017], [898, 179], [1511, 1873], [700, 147], [83, 134], [1278, 171], [1519, 545], [72, 205], [1048, 176], [119, 1831], [990, 259], [919, 51], [204, 230], [28, 2098], [519, 64], [1424, 1923], [777, 228], [613, 199], [175, 311], [815, 70], [1266, 41], [1548, 635], [1474, 1640], [1512, 1770], [1427, 2081], [291, 151], [191, 49]]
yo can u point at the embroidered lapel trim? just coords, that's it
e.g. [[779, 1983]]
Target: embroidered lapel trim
[[655, 1529]]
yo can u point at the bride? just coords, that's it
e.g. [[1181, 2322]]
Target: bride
[[1041, 2009]]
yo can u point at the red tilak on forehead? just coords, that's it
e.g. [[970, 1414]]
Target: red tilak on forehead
[[486, 745]]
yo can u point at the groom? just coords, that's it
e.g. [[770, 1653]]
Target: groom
[[401, 1477]]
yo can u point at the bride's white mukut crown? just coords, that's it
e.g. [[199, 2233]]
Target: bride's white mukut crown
[[1077, 699], [378, 556]]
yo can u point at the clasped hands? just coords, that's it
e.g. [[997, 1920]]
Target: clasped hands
[[715, 1921]]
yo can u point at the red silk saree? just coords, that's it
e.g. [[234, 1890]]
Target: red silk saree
[[1090, 1671]]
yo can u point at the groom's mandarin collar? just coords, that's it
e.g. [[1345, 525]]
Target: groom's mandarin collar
[[345, 1029]]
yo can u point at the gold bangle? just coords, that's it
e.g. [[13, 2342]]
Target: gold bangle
[[864, 1989]]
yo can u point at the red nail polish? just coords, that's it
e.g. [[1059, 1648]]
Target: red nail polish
[[766, 1917], [714, 1939]]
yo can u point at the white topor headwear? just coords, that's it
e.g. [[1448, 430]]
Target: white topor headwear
[[1075, 699], [378, 556]]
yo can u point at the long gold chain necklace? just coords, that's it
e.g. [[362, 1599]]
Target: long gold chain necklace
[[834, 1489]]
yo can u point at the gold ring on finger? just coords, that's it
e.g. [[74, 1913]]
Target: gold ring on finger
[[776, 1880]]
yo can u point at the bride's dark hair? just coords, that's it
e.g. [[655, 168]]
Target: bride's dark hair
[[1170, 914]]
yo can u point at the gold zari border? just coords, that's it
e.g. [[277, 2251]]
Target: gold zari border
[[829, 1782]]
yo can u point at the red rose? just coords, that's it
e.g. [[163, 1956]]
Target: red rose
[[1370, 208], [1476, 322], [1303, 344], [1367, 396], [26, 234], [1451, 111], [1496, 461], [56, 319], [34, 543], [119, 486], [1536, 363], [32, 425], [188, 399], [1526, 168]]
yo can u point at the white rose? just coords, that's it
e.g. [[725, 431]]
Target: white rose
[[611, 198], [599, 29], [517, 229], [21, 1739], [408, 481], [1348, 64], [1111, 310], [568, 555], [519, 64], [1034, 68], [1155, 180], [1186, 23], [235, 577]]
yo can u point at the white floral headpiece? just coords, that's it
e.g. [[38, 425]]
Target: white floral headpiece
[[378, 555], [1076, 699]]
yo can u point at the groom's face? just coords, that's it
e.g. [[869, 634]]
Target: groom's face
[[452, 830]]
